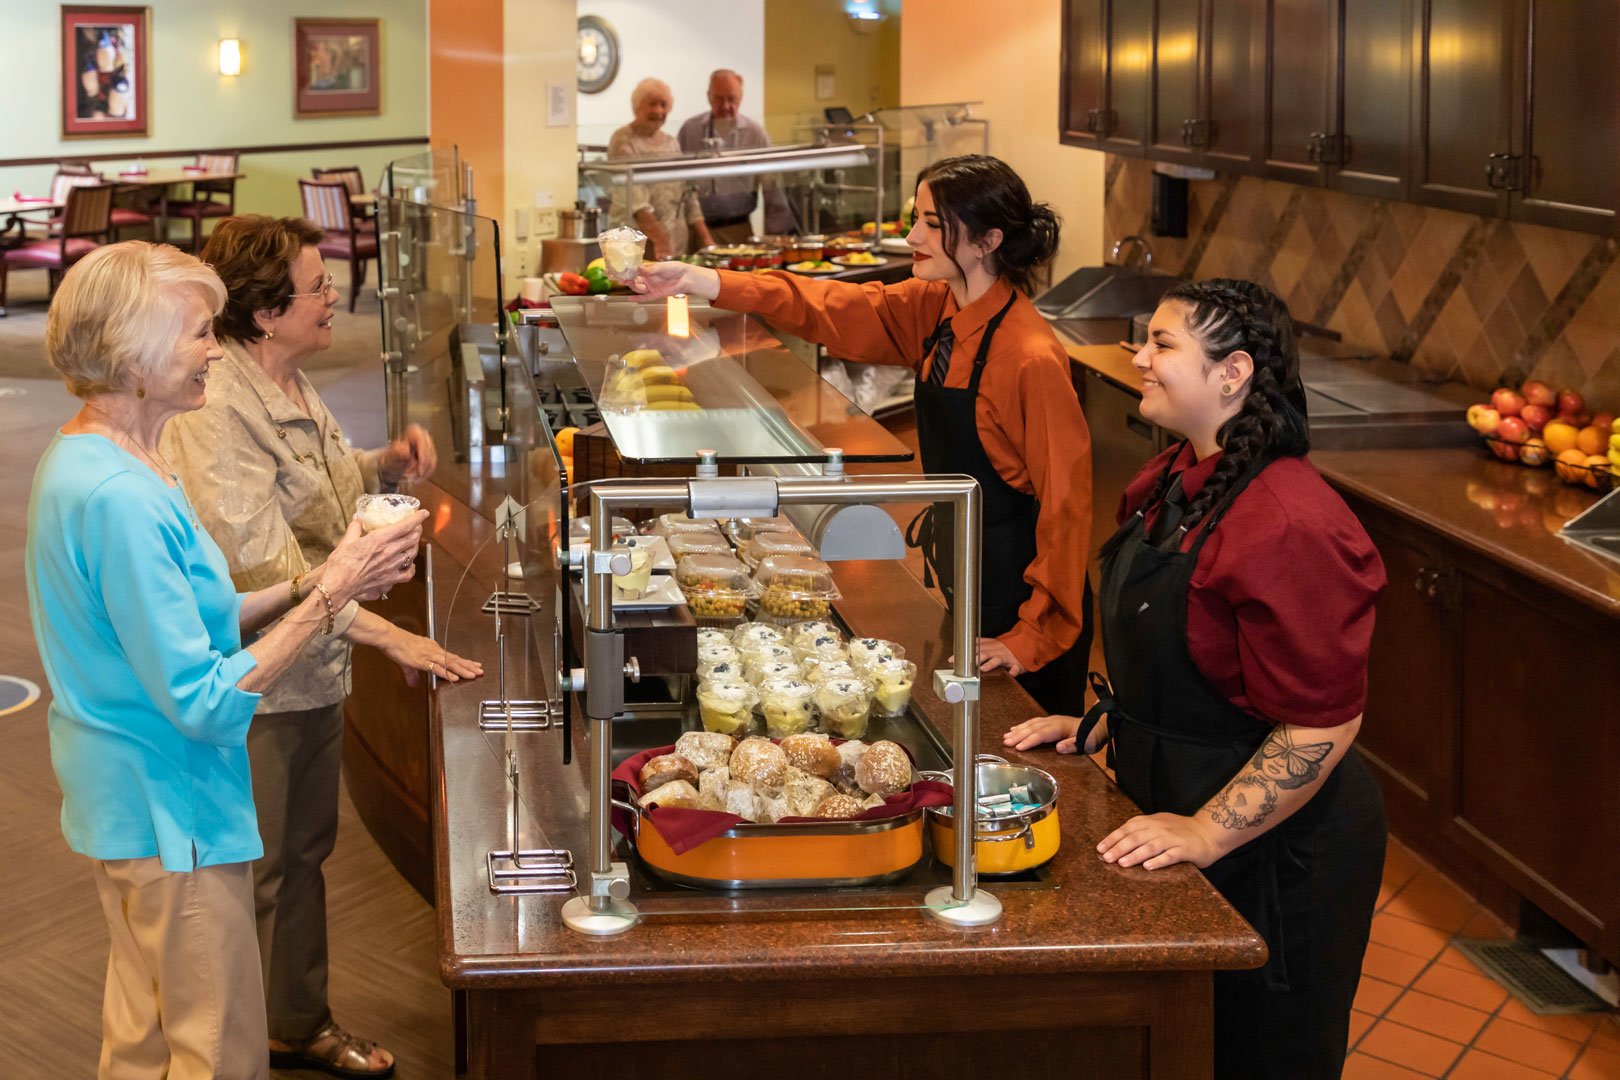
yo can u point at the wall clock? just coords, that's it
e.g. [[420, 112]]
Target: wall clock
[[598, 54]]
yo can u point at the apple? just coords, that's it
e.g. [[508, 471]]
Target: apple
[[1534, 452], [1505, 451], [1536, 416], [1486, 420], [1507, 402], [1537, 392], [1604, 420], [1513, 429], [1570, 403]]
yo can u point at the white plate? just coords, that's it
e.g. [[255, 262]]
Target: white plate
[[663, 593], [894, 245], [843, 260], [661, 557]]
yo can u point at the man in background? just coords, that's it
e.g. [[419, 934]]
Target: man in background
[[728, 203]]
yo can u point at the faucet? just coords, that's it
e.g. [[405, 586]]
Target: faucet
[[1143, 248]]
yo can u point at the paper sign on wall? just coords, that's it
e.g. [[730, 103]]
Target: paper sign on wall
[[559, 104], [826, 82]]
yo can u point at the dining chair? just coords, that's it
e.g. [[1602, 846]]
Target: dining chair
[[352, 179], [326, 205], [203, 205], [86, 224]]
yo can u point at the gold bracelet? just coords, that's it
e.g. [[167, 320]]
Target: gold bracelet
[[331, 613], [297, 597]]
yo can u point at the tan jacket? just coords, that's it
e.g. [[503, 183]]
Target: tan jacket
[[276, 489]]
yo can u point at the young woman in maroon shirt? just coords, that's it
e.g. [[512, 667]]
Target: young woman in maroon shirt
[[1236, 607]]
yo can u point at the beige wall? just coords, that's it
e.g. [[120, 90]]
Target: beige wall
[[949, 51], [540, 161], [192, 105], [799, 35]]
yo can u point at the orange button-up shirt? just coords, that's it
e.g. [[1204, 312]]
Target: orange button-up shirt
[[1029, 417]]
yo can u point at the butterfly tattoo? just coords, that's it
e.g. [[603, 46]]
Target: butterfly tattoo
[[1290, 764]]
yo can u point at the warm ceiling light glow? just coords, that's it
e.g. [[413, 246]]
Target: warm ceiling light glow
[[230, 56]]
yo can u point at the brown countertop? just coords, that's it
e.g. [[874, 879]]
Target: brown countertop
[[1110, 361], [1098, 918]]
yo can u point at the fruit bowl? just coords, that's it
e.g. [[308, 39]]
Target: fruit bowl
[[1595, 471]]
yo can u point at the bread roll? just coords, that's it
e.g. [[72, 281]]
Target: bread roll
[[838, 806], [705, 749], [884, 769], [740, 799], [772, 808], [712, 783], [813, 753], [665, 769], [675, 793], [844, 778], [759, 762], [804, 793]]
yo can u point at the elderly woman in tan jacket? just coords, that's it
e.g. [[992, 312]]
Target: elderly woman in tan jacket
[[275, 483]]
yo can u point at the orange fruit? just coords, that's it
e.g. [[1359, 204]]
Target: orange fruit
[[1591, 440], [1560, 435], [1571, 466], [1598, 476]]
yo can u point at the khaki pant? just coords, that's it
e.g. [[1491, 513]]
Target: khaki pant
[[183, 999], [296, 759]]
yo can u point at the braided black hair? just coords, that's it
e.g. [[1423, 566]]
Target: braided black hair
[[977, 193], [1226, 315]]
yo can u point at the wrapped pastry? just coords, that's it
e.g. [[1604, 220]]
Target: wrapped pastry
[[705, 749], [844, 705], [665, 769], [884, 769], [803, 793], [872, 802], [726, 707], [741, 799], [848, 754], [787, 706], [812, 753], [868, 650], [773, 807], [759, 762], [838, 805], [755, 634], [677, 793], [712, 783], [758, 674], [891, 685]]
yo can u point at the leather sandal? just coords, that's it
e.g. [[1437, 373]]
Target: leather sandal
[[334, 1051]]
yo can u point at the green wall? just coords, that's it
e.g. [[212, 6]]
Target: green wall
[[192, 105]]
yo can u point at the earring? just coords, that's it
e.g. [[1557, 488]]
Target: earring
[[140, 389], [269, 333], [1226, 389]]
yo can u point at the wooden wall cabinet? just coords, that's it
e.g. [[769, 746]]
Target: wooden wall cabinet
[[1493, 724]]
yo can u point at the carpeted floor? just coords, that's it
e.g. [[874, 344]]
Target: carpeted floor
[[22, 331]]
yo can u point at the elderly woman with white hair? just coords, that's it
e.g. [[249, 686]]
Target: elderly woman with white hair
[[156, 664], [669, 213]]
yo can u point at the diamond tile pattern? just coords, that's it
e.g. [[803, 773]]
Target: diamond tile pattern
[[1480, 300]]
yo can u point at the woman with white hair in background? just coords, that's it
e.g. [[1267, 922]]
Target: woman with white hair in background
[[669, 213], [155, 668]]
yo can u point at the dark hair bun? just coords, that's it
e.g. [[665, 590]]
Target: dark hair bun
[[974, 193]]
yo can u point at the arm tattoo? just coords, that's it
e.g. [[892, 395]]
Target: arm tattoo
[[1279, 764]]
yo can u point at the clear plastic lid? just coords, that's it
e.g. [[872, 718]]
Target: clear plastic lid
[[766, 671], [730, 669], [869, 650], [814, 628], [734, 694], [822, 646], [786, 692], [796, 577], [841, 692], [767, 544], [820, 672], [744, 529], [713, 575], [665, 524], [711, 636], [683, 544], [756, 653], [713, 654], [580, 528], [756, 633]]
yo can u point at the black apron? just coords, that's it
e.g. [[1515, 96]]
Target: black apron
[[948, 442], [1309, 885]]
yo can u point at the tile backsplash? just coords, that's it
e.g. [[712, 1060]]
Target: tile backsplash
[[1479, 300]]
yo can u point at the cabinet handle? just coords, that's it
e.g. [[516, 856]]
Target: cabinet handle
[[1428, 583]]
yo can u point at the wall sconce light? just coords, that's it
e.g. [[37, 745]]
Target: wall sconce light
[[230, 56]]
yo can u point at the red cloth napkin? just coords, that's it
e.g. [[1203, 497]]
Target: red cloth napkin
[[684, 829], [192, 168], [20, 197]]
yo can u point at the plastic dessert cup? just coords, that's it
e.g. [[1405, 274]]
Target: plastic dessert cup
[[380, 511], [726, 707], [633, 586], [845, 705], [787, 706], [891, 681], [864, 652], [622, 249]]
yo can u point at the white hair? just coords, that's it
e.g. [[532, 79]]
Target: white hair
[[118, 311], [722, 73], [647, 86]]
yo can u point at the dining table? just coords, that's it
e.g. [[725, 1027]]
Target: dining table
[[164, 180]]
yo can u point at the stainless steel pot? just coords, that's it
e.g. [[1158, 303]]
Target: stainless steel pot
[[581, 223]]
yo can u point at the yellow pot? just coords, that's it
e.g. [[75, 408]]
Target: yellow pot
[[1007, 845]]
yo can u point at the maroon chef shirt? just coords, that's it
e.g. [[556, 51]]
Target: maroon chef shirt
[[1280, 606]]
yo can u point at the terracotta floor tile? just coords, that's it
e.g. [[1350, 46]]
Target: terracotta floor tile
[[1408, 936], [1607, 1036], [1478, 1065], [1437, 1016], [1376, 995], [1400, 865], [1386, 893], [1464, 987], [1360, 1066], [1453, 957], [1485, 925], [1595, 1064], [1359, 1023], [1429, 1054], [1575, 1026], [1432, 899], [1527, 1046], [1391, 965]]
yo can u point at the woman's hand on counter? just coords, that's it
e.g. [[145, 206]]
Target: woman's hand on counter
[[993, 654], [415, 654], [1040, 730], [1154, 841], [668, 278]]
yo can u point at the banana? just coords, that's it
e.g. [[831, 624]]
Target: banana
[[1614, 440], [659, 375], [668, 393], [675, 406], [643, 357]]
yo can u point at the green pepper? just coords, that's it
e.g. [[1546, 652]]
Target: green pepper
[[597, 279]]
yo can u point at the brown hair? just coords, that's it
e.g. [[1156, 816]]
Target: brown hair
[[253, 256], [974, 193]]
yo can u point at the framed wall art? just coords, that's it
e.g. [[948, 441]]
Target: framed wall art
[[337, 67], [104, 80]]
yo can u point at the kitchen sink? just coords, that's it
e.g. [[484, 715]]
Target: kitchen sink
[[1105, 292]]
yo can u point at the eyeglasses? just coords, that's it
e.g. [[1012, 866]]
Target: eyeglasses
[[326, 287]]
